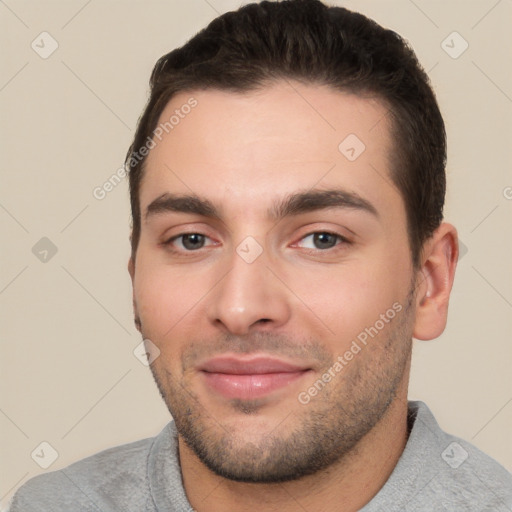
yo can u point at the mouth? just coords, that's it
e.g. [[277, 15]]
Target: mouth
[[249, 378]]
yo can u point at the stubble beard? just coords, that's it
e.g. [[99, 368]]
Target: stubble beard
[[312, 437]]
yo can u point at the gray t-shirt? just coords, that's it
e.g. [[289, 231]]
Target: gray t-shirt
[[436, 472]]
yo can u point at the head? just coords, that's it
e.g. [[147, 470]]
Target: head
[[287, 182]]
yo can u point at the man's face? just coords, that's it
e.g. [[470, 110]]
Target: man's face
[[284, 327]]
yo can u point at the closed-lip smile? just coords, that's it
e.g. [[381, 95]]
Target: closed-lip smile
[[247, 378]]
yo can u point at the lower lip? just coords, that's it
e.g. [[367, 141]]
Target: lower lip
[[247, 387]]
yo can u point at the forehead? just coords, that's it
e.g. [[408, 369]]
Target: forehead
[[244, 148]]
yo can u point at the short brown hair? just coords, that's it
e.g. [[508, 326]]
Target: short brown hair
[[310, 42]]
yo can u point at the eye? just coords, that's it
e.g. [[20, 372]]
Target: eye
[[188, 241], [322, 240]]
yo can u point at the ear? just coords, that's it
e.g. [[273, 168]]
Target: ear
[[131, 271], [435, 280]]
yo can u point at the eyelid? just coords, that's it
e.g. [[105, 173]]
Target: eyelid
[[185, 229]]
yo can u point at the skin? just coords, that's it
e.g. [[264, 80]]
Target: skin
[[297, 301]]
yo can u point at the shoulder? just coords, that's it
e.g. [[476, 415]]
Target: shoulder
[[463, 477], [113, 477]]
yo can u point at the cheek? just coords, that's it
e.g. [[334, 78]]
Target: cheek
[[168, 298], [352, 297], [160, 306], [160, 299]]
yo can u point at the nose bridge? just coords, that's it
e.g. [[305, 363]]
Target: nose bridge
[[249, 292]]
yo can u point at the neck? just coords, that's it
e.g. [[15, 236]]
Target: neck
[[345, 486]]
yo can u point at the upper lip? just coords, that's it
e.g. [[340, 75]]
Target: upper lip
[[249, 366]]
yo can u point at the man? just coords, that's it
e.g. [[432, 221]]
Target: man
[[287, 183]]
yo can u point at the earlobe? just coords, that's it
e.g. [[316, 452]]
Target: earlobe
[[435, 282]]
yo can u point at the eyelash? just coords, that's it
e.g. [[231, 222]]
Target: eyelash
[[341, 241]]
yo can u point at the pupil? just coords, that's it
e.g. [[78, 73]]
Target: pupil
[[324, 240], [193, 241]]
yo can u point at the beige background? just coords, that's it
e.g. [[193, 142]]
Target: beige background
[[69, 376]]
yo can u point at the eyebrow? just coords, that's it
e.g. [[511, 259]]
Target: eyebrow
[[292, 205]]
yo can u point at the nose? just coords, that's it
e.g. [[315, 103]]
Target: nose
[[249, 296]]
